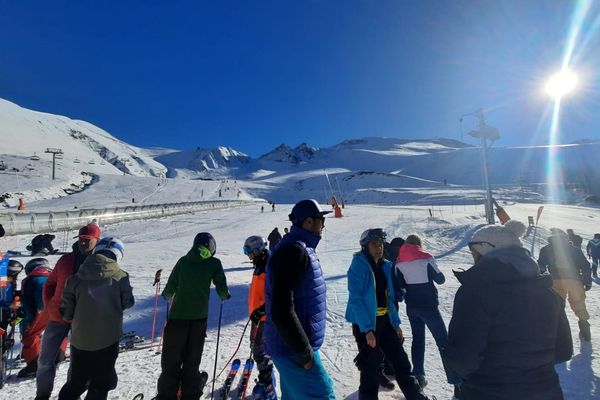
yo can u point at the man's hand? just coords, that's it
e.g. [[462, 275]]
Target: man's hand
[[371, 341], [257, 315]]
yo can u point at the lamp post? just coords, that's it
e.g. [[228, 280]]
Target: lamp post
[[485, 133], [54, 152]]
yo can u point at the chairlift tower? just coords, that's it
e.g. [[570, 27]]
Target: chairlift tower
[[484, 134], [54, 152]]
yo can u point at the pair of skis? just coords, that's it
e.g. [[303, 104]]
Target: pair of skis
[[243, 385]]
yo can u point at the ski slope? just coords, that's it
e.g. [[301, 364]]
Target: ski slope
[[155, 244]]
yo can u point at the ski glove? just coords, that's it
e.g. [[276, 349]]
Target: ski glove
[[257, 314], [587, 287]]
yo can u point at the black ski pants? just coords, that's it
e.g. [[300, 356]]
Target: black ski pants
[[369, 362], [183, 344], [93, 371]]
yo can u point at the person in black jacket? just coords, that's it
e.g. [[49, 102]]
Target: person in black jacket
[[571, 275], [274, 238], [508, 326]]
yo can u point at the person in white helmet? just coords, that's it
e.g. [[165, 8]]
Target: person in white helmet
[[94, 300]]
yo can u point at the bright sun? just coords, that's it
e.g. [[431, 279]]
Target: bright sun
[[561, 84]]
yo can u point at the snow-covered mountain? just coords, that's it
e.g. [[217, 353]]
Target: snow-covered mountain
[[365, 169], [85, 147]]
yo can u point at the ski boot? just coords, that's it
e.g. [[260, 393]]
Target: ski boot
[[385, 382], [584, 331], [422, 381], [28, 371], [264, 391]]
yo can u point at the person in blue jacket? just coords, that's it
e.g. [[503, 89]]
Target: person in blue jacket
[[593, 252], [297, 309], [375, 321]]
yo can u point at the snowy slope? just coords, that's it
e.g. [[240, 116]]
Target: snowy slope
[[158, 244]]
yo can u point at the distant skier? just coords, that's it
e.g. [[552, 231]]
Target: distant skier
[[41, 245], [94, 300], [188, 288], [255, 248], [55, 337], [593, 252], [273, 207], [508, 326], [274, 238], [296, 307], [571, 275], [34, 318], [375, 322]]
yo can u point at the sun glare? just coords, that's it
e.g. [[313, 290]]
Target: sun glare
[[561, 84]]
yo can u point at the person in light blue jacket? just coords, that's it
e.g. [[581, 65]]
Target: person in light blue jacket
[[375, 321]]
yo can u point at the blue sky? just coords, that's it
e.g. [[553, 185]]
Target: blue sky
[[254, 74]]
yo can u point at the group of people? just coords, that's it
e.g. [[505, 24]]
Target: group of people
[[84, 294], [508, 327]]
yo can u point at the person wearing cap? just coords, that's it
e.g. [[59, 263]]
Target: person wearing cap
[[593, 252], [296, 307], [571, 275], [508, 327], [375, 321], [188, 289], [94, 300], [56, 334], [34, 318]]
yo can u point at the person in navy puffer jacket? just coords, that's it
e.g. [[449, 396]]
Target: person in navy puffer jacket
[[375, 322], [419, 271], [296, 307]]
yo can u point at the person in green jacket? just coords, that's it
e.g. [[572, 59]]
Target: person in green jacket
[[188, 289]]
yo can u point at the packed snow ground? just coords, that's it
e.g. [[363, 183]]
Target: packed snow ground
[[155, 244]]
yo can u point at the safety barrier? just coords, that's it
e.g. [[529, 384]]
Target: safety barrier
[[56, 221]]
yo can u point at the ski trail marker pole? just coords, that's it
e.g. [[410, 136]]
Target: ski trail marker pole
[[212, 392]]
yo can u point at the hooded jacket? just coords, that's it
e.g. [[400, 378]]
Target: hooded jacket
[[362, 301], [189, 285], [418, 270], [508, 329], [94, 300], [564, 261], [593, 248], [31, 293]]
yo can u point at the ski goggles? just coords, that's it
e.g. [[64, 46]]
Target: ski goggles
[[247, 250]]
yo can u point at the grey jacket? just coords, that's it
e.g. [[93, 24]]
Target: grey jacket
[[94, 300]]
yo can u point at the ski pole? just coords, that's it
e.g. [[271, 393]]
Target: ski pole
[[163, 329], [236, 349], [217, 351]]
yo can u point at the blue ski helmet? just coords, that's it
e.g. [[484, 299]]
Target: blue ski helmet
[[306, 209]]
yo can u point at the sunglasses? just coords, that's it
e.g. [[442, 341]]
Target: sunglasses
[[319, 218], [247, 250]]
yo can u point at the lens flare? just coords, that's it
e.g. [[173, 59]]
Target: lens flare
[[562, 84]]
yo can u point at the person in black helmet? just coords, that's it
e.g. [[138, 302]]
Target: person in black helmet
[[375, 322], [188, 288]]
